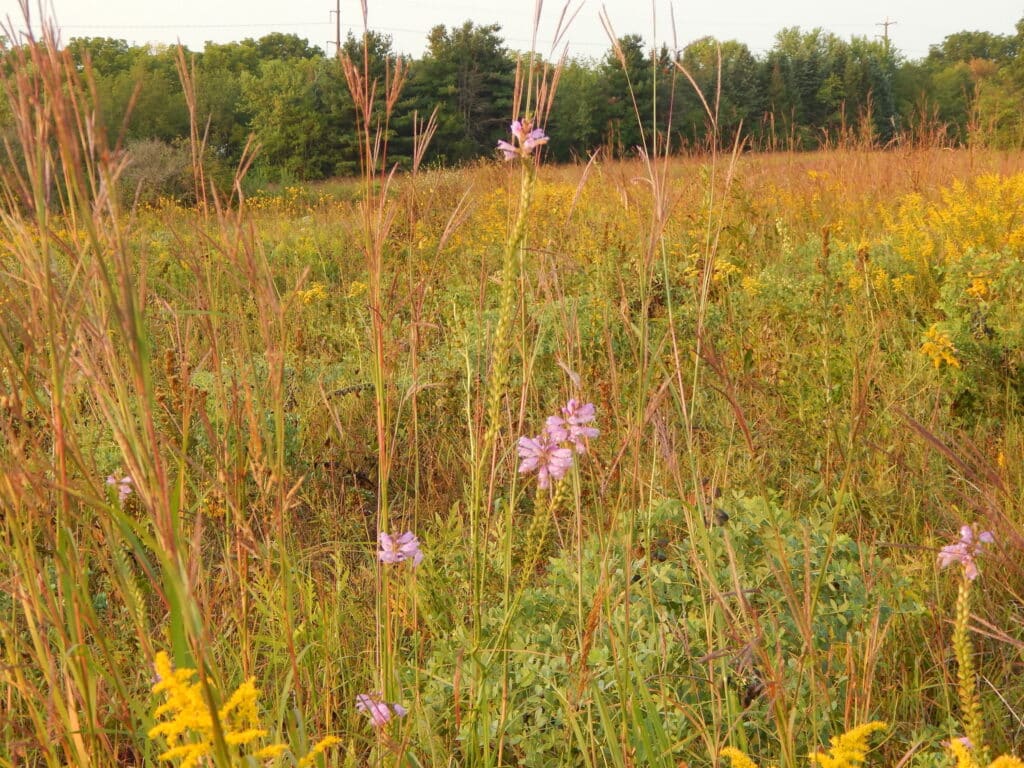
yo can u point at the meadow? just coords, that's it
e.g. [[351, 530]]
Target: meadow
[[664, 462]]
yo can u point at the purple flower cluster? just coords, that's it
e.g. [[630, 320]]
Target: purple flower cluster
[[550, 453], [123, 485], [380, 712], [395, 549], [965, 550], [525, 139]]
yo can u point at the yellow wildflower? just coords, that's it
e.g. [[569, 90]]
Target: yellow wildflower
[[978, 287], [315, 292], [939, 347], [189, 727], [850, 749], [320, 746], [963, 756], [737, 758]]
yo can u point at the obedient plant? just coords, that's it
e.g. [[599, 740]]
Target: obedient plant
[[380, 712], [550, 454], [525, 139], [963, 552], [123, 485], [395, 549]]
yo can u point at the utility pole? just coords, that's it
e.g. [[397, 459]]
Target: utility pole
[[336, 13], [885, 35]]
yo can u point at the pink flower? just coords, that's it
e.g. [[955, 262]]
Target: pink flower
[[544, 455], [395, 549], [124, 486], [507, 150], [965, 550], [571, 425], [525, 139], [535, 138], [380, 712]]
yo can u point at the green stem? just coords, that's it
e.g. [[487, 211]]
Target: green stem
[[967, 685]]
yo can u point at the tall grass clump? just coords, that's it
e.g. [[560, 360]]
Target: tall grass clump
[[635, 462], [142, 512]]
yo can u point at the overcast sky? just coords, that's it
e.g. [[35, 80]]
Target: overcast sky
[[918, 23]]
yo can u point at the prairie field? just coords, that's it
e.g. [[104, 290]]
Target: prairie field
[[659, 462]]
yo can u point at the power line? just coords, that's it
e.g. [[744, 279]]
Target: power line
[[196, 26]]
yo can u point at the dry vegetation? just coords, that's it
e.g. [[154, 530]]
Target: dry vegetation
[[806, 372]]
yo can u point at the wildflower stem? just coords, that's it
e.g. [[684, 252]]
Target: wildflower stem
[[967, 689], [498, 382]]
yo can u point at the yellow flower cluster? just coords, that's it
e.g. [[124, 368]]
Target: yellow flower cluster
[[985, 214], [191, 724], [939, 347], [964, 758], [846, 751], [316, 292], [850, 749]]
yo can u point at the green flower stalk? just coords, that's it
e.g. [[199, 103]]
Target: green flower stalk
[[967, 686], [525, 140], [964, 553], [511, 267]]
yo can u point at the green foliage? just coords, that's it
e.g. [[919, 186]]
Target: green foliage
[[811, 89], [468, 73], [291, 103], [982, 299], [966, 46], [794, 597]]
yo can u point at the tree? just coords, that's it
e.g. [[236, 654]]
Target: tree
[[869, 71], [626, 79], [469, 74], [106, 55], [142, 99], [575, 128], [284, 47], [742, 88], [965, 46], [222, 104], [288, 102], [805, 85]]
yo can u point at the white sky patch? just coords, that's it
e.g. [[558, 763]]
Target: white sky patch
[[919, 23]]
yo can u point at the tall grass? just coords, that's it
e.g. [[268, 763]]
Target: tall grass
[[804, 372]]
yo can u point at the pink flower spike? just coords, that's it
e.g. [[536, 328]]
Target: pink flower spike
[[409, 546], [576, 416], [395, 549], [525, 139], [556, 429], [507, 150], [390, 549], [578, 413], [545, 456], [965, 551], [535, 139], [380, 712], [124, 486]]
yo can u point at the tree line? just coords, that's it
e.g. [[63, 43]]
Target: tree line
[[811, 89]]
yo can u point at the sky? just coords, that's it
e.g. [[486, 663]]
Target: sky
[[917, 23]]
